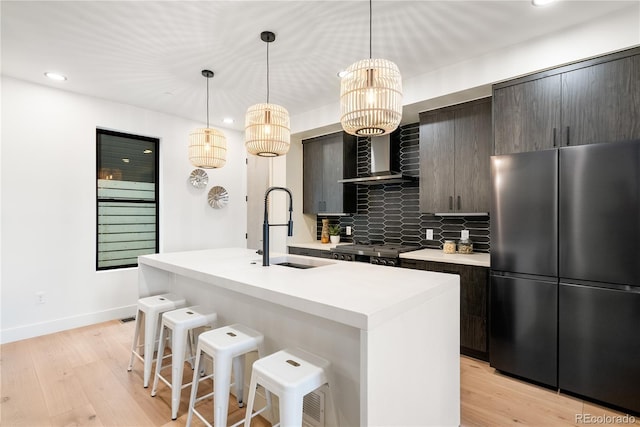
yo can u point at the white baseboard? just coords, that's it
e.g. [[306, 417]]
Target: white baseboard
[[66, 323]]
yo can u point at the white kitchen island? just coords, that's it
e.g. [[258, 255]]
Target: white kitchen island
[[391, 334]]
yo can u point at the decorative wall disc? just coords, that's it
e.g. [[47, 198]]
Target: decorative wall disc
[[199, 178], [218, 197]]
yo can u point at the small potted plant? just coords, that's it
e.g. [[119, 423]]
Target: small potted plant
[[334, 233]]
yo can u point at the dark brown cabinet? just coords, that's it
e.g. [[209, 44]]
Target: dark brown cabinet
[[326, 159], [455, 146], [474, 291], [584, 103]]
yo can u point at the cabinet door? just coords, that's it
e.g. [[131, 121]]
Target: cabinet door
[[472, 155], [526, 116], [437, 133], [312, 153], [332, 191], [474, 294], [601, 103]]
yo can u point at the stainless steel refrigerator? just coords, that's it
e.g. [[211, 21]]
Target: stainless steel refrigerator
[[565, 260]]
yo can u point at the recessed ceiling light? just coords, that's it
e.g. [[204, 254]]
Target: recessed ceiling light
[[539, 3], [147, 151], [227, 120], [55, 76], [125, 160]]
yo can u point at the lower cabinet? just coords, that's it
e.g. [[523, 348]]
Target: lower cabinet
[[318, 253], [474, 290]]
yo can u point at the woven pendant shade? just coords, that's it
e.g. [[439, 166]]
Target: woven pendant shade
[[207, 148], [267, 131], [371, 98]]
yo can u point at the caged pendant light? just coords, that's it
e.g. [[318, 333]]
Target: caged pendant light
[[371, 95], [267, 131], [207, 146]]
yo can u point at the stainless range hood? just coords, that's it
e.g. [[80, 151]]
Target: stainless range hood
[[385, 164]]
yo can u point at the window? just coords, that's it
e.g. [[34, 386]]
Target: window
[[127, 198]]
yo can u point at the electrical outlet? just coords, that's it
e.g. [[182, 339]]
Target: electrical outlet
[[348, 230], [40, 297], [429, 234]]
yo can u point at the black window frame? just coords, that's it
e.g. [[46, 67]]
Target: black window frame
[[156, 152]]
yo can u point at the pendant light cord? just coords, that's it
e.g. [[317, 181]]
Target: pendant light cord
[[207, 102], [370, 25], [267, 73]]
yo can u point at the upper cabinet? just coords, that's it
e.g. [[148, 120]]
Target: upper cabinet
[[455, 146], [326, 159], [584, 103]]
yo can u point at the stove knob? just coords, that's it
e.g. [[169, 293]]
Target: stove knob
[[342, 257], [391, 263], [383, 262], [336, 256], [349, 258], [375, 261]]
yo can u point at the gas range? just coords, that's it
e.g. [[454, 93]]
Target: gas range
[[381, 254]]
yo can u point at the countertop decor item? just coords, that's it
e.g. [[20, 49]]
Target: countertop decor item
[[465, 245], [371, 95], [199, 178], [207, 146], [334, 233], [449, 247], [324, 235], [267, 131], [218, 197]]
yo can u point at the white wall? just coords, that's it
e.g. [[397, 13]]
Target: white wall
[[48, 222]]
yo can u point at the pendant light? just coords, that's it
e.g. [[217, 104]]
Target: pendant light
[[207, 146], [267, 131], [371, 95]]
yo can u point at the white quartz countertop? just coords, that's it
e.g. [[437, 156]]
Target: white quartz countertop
[[356, 294], [477, 259]]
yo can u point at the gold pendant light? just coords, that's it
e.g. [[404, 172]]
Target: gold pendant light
[[267, 131], [207, 146], [371, 95]]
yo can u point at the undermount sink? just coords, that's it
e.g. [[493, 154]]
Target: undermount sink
[[298, 262]]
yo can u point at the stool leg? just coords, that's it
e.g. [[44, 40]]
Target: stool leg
[[252, 396], [156, 377], [291, 409], [136, 336], [177, 368], [222, 378], [194, 386], [238, 376], [150, 330]]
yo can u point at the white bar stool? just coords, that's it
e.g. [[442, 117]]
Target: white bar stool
[[227, 346], [290, 374], [152, 307], [181, 322]]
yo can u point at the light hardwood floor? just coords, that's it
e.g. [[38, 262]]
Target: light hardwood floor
[[80, 378]]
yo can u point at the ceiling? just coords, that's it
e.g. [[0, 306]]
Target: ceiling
[[150, 53]]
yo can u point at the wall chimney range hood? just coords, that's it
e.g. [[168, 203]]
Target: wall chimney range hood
[[385, 162]]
